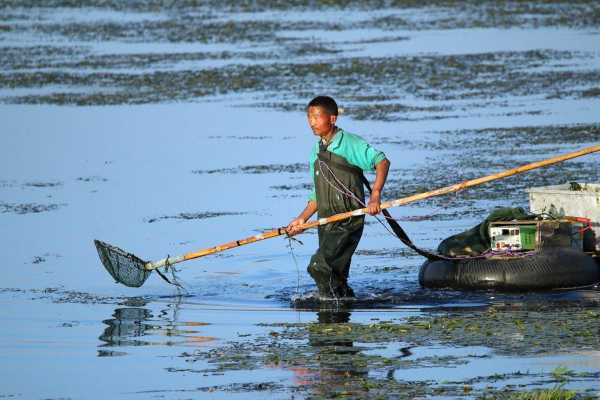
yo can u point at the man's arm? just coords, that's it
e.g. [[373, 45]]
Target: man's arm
[[293, 227], [381, 173]]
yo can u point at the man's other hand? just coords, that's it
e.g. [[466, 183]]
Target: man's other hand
[[374, 206], [294, 227]]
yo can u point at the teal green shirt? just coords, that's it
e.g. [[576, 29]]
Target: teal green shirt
[[353, 148]]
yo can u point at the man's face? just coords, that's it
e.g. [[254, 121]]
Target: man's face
[[320, 121]]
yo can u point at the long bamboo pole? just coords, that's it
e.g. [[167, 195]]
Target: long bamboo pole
[[388, 204]]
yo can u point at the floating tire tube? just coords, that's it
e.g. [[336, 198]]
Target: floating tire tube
[[548, 269]]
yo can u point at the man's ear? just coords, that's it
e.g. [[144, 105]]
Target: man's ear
[[333, 119]]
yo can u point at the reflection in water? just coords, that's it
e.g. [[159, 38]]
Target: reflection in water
[[130, 324], [341, 365], [127, 325], [333, 317]]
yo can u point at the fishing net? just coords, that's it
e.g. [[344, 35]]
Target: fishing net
[[124, 267]]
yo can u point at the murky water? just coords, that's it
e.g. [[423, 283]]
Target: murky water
[[165, 128]]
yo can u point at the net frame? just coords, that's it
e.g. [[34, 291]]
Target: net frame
[[124, 267]]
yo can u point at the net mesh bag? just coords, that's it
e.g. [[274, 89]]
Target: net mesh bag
[[125, 267]]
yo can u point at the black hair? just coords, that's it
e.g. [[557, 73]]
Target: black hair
[[326, 102]]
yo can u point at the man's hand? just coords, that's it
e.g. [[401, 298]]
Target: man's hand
[[381, 172], [374, 206], [294, 228]]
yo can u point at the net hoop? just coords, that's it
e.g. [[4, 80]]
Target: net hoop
[[124, 267]]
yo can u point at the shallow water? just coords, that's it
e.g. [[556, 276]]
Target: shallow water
[[168, 129]]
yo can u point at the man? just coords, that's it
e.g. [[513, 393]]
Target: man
[[337, 163]]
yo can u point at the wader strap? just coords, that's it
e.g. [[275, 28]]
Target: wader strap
[[346, 167], [398, 231]]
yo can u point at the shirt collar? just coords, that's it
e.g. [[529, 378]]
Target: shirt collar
[[337, 138]]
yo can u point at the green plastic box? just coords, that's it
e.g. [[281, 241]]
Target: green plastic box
[[528, 235]]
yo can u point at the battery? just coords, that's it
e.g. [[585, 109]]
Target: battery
[[536, 234]]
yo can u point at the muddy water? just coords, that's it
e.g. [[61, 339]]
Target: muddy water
[[165, 128]]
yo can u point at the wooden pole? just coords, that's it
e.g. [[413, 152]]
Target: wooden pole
[[388, 204]]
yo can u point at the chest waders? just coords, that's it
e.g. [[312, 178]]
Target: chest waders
[[330, 265]]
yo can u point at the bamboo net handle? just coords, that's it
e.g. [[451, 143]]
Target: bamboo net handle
[[362, 211]]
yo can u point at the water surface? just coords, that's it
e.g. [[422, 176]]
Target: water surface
[[166, 129]]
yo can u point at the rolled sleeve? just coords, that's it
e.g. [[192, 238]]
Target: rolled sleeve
[[379, 157]]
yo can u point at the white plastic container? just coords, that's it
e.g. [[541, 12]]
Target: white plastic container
[[575, 203]]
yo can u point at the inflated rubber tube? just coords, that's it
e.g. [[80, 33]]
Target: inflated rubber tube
[[548, 269]]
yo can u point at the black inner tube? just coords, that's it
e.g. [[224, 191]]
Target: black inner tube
[[547, 269]]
